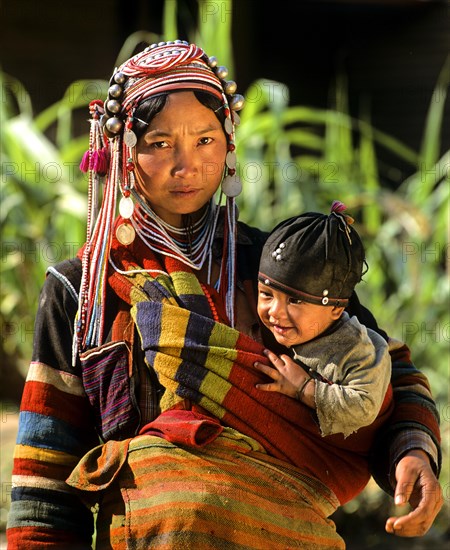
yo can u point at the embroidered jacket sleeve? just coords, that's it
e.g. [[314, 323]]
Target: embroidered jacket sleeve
[[55, 430], [414, 424]]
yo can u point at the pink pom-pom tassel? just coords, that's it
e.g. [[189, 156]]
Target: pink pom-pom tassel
[[84, 164], [100, 161]]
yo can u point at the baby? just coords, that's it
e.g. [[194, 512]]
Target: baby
[[309, 267]]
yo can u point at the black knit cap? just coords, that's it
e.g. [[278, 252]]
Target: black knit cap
[[314, 257]]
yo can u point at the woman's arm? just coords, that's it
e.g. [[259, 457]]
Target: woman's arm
[[406, 457], [55, 430], [416, 483]]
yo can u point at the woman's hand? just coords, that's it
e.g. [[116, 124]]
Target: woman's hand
[[287, 376], [416, 484]]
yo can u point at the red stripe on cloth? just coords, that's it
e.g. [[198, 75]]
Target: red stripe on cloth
[[30, 467], [406, 380], [21, 538], [402, 354], [410, 413], [47, 400]]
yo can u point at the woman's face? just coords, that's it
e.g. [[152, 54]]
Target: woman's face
[[290, 320], [181, 158]]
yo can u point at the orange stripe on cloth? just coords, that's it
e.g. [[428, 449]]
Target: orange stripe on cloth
[[225, 495]]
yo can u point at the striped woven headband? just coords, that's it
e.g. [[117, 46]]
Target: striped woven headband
[[164, 67], [195, 76], [162, 57]]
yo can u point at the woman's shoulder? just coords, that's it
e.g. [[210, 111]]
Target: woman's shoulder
[[66, 274], [250, 242], [248, 234]]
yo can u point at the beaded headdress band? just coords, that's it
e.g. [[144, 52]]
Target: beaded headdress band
[[162, 67]]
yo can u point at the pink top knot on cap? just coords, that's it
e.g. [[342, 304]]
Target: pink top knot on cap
[[338, 207]]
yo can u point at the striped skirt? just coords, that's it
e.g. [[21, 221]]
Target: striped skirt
[[226, 495]]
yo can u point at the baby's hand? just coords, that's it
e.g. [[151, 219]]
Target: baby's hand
[[287, 376]]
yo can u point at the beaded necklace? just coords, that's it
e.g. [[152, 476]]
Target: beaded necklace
[[195, 244]]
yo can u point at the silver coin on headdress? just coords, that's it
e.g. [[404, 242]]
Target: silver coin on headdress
[[231, 186], [125, 234], [130, 139], [126, 207]]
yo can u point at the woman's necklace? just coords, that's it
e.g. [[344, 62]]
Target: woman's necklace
[[192, 245]]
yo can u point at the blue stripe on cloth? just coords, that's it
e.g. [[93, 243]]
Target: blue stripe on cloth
[[402, 368], [156, 291], [148, 315], [192, 371], [39, 494], [196, 303], [45, 432]]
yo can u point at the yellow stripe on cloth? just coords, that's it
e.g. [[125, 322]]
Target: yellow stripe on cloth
[[186, 283], [171, 343], [223, 336], [219, 363], [174, 322], [44, 455], [221, 388], [136, 294], [164, 364]]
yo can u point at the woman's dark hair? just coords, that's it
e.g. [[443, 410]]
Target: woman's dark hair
[[149, 108]]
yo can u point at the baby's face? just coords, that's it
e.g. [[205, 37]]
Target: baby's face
[[289, 319]]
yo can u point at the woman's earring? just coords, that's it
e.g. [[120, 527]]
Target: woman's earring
[[231, 184], [125, 232]]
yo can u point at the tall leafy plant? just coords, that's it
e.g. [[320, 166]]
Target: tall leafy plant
[[43, 204]]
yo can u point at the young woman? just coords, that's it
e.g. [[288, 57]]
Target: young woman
[[145, 343]]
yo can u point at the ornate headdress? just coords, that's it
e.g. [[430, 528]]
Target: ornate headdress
[[315, 257], [160, 68]]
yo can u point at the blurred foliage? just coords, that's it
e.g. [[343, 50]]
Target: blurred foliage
[[291, 159]]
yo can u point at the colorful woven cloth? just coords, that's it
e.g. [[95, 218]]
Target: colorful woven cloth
[[227, 495], [203, 361], [57, 429]]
